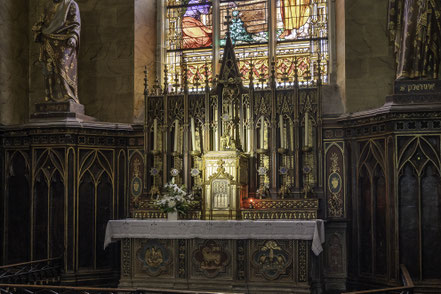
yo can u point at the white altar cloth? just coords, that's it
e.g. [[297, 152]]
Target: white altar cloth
[[229, 229]]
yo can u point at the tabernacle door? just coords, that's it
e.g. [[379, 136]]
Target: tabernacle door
[[220, 191]]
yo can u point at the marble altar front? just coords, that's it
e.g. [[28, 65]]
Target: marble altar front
[[272, 256]]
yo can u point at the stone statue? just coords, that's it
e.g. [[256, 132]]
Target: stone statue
[[415, 30], [226, 141], [58, 32]]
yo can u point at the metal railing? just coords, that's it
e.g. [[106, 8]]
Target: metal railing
[[38, 271], [407, 288], [40, 289]]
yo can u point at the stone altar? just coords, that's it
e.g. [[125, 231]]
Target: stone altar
[[254, 256]]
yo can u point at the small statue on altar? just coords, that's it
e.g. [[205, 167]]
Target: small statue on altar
[[58, 32], [227, 142], [415, 30]]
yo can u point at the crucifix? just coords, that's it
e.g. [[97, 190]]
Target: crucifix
[[228, 22]]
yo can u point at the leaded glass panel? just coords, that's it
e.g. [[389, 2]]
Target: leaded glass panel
[[249, 21], [299, 45]]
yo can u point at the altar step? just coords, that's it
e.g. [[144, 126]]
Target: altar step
[[36, 289]]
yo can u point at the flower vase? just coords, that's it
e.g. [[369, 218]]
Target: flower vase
[[172, 215]]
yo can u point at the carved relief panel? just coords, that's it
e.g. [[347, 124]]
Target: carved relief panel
[[212, 259], [271, 260], [154, 258]]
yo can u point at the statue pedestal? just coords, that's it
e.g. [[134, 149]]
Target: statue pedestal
[[415, 95], [60, 111], [225, 177]]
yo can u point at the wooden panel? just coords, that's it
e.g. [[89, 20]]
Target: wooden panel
[[431, 223], [57, 201], [408, 221], [86, 223], [18, 211], [380, 223], [40, 217], [365, 222], [104, 212]]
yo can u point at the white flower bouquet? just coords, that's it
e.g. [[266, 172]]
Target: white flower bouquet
[[174, 199]]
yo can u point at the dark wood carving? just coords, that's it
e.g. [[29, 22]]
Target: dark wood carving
[[19, 204]]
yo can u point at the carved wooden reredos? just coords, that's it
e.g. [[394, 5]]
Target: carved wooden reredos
[[275, 129]]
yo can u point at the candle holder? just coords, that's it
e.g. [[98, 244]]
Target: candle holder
[[307, 148], [262, 151], [282, 150], [155, 152], [195, 153], [307, 191], [154, 192], [284, 190]]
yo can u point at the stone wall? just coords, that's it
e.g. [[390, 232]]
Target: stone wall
[[369, 61], [145, 49], [105, 68], [14, 36], [340, 46], [119, 38]]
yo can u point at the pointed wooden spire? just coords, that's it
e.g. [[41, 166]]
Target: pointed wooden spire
[[207, 86], [273, 74], [176, 84], [146, 88], [185, 77], [296, 73], [165, 90], [229, 72], [146, 94], [251, 74]]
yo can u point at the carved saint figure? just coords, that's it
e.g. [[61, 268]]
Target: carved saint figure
[[58, 32], [227, 140], [415, 30]]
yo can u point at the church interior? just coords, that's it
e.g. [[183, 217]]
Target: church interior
[[218, 146]]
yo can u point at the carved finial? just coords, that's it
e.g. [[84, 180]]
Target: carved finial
[[146, 88], [251, 73], [220, 168], [296, 72], [156, 87], [207, 86], [215, 81], [185, 77], [165, 79], [273, 74], [228, 22], [285, 76], [307, 73], [176, 84], [319, 71], [196, 79], [146, 94], [262, 79]]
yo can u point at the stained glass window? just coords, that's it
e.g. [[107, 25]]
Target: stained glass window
[[293, 33], [249, 21], [302, 39]]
